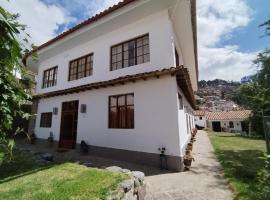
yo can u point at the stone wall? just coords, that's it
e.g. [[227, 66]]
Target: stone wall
[[133, 188]]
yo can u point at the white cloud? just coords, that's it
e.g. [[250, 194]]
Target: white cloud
[[97, 6], [42, 20], [217, 20]]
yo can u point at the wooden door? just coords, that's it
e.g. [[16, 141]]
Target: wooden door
[[216, 126], [69, 121]]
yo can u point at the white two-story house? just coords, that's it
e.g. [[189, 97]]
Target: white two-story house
[[122, 81]]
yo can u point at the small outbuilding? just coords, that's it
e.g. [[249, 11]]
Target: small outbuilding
[[229, 121], [199, 119], [226, 121]]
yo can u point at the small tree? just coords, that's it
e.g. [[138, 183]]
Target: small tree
[[13, 96]]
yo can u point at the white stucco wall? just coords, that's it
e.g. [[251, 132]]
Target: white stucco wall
[[185, 122], [200, 121], [160, 32], [156, 111]]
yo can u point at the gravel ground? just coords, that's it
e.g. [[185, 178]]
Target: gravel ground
[[204, 181]]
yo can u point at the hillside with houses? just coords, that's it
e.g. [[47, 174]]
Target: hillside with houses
[[217, 95]]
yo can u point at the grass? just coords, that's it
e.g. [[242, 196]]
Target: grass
[[26, 179], [240, 158]]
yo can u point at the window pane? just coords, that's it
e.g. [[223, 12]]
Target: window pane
[[125, 46], [126, 63], [113, 100], [114, 50], [113, 58], [119, 49], [121, 100], [139, 51], [130, 117], [119, 57], [139, 59], [146, 58], [146, 40], [113, 118], [139, 42], [122, 117], [146, 49], [130, 100]]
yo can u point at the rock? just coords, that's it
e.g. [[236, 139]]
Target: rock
[[137, 183], [47, 157], [138, 175], [114, 169], [127, 185], [130, 196], [116, 195]]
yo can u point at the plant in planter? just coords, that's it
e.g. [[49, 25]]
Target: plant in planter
[[189, 146], [192, 139], [188, 160], [194, 132], [163, 158]]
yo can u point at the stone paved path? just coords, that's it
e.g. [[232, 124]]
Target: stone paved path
[[203, 182]]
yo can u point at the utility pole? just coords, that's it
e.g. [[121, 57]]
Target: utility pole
[[266, 132]]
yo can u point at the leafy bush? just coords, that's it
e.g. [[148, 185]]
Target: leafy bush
[[263, 186]]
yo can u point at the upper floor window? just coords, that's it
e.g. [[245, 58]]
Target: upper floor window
[[81, 67], [50, 77], [132, 52], [46, 120], [121, 111]]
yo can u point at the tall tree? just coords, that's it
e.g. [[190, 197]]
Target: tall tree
[[13, 96]]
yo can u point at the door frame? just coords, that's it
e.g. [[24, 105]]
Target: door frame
[[66, 143]]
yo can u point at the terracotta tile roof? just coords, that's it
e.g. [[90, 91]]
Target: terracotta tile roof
[[199, 113], [229, 115], [181, 73]]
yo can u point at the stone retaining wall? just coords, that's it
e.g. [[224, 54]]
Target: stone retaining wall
[[133, 188]]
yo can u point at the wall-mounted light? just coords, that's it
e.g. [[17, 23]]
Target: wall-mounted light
[[83, 108], [55, 110]]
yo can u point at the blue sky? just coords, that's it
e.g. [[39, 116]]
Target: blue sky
[[228, 33], [249, 37]]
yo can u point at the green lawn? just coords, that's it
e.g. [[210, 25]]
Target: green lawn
[[26, 179], [240, 158]]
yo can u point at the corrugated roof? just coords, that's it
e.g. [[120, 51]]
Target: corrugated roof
[[228, 115]]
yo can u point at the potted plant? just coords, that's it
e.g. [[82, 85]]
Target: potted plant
[[188, 159], [189, 146]]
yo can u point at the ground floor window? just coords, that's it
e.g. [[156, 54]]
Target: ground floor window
[[121, 111], [46, 120]]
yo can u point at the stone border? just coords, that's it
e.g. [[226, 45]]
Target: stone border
[[130, 189]]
